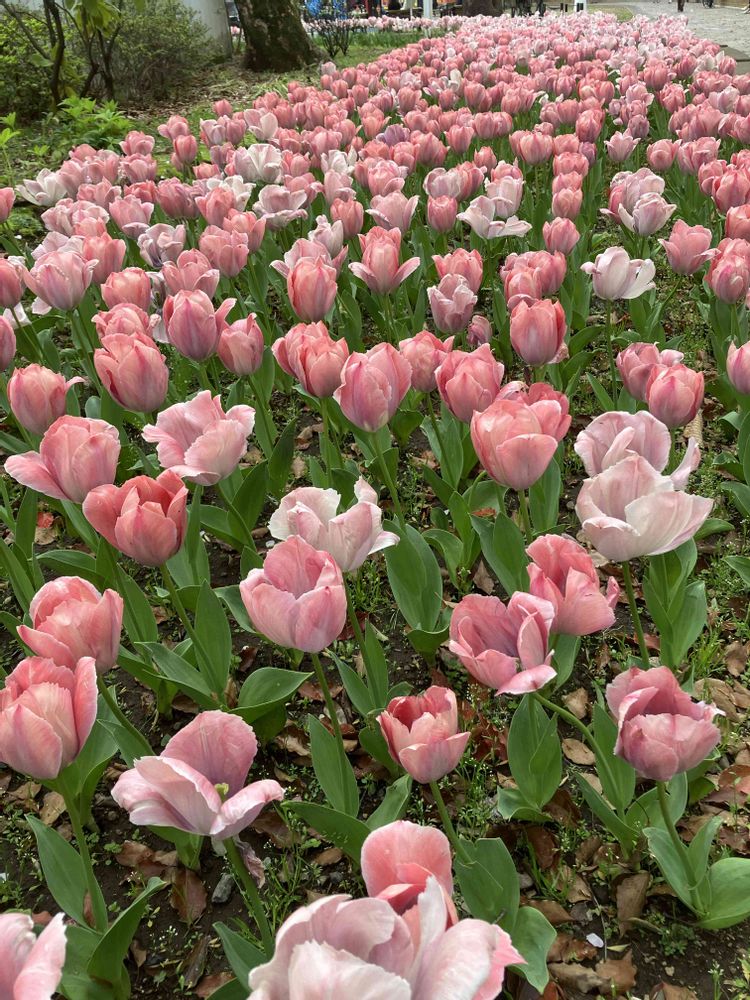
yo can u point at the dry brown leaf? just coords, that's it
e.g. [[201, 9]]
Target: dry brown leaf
[[53, 806], [694, 429], [210, 984], [571, 884], [736, 656], [552, 910], [567, 948], [192, 968], [299, 467], [329, 856], [577, 702], [577, 752], [138, 953], [483, 580], [188, 895], [631, 898], [47, 528], [712, 689], [587, 850], [544, 845], [593, 780], [619, 972], [577, 977], [665, 991], [270, 823]]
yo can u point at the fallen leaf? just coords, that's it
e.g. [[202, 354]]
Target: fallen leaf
[[482, 579], [188, 895], [138, 953], [552, 910], [577, 752], [576, 976], [192, 968], [587, 850], [315, 693], [47, 528], [299, 467], [566, 948], [133, 854], [544, 845], [736, 656], [271, 823], [329, 856], [619, 972], [631, 898], [53, 806], [563, 809], [253, 863], [665, 991], [577, 702], [571, 884], [210, 984]]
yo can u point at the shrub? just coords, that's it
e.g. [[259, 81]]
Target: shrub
[[24, 87], [157, 50]]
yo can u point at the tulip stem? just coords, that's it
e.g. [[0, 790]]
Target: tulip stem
[[98, 905], [182, 614], [610, 350], [328, 697], [261, 408], [443, 456], [447, 822], [680, 849], [388, 480], [111, 702], [627, 577], [249, 890], [523, 504], [353, 620]]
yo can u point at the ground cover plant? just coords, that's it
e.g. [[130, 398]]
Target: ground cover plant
[[377, 467]]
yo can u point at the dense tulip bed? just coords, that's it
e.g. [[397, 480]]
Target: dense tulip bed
[[434, 279]]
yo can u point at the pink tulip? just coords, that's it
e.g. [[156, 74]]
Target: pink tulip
[[197, 783], [161, 243], [351, 214], [133, 371], [312, 288], [131, 215], [393, 211], [620, 146], [380, 269], [637, 362], [548, 271], [452, 303], [30, 966], [75, 455], [483, 217], [567, 203], [661, 154], [373, 386], [560, 235], [248, 225], [59, 280], [309, 354], [468, 382], [467, 264], [38, 396], [7, 344], [241, 346], [145, 518], [337, 944], [563, 573], [46, 714], [350, 537], [616, 276], [422, 733], [661, 731], [441, 214], [738, 367], [192, 272], [512, 442], [674, 394], [479, 331], [225, 251], [198, 440], [424, 352], [11, 288], [737, 223], [192, 324], [537, 332], [504, 647], [729, 274], [126, 319], [131, 286], [398, 859], [688, 247], [615, 435], [297, 599], [630, 510], [7, 198], [70, 619], [650, 213]]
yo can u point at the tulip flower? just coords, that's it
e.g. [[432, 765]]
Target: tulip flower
[[309, 354], [380, 269], [512, 443], [393, 211], [312, 288], [31, 966], [38, 396], [479, 331], [132, 286], [70, 619], [452, 303], [225, 251], [650, 213], [467, 264], [441, 214], [192, 324], [537, 332], [738, 367], [197, 783], [7, 344], [75, 455], [661, 731], [562, 572], [46, 714], [11, 287], [468, 382], [241, 346], [620, 146], [616, 276], [688, 247], [7, 198], [424, 352], [674, 394], [145, 518], [483, 218], [337, 944], [297, 599], [399, 858], [503, 646], [133, 371], [59, 280], [637, 363], [630, 510], [198, 441], [560, 235], [615, 435], [372, 386], [729, 275], [192, 272], [422, 733]]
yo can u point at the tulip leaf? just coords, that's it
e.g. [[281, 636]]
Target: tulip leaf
[[233, 990], [504, 548], [231, 597], [729, 883], [675, 866], [140, 623], [741, 566], [534, 752], [110, 953], [617, 776], [489, 880], [212, 628], [72, 563], [243, 956], [76, 984], [175, 668], [356, 689], [393, 805], [332, 768], [342, 830], [414, 576], [532, 936], [249, 500], [544, 499], [13, 570], [63, 869], [626, 835], [267, 688], [280, 462]]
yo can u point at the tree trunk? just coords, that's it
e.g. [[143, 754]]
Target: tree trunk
[[274, 36]]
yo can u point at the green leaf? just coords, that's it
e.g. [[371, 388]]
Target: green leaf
[[113, 947], [504, 548], [376, 668], [534, 752], [212, 629], [175, 668], [76, 984], [544, 498], [69, 562], [342, 830], [672, 865], [414, 576], [488, 879], [356, 689], [741, 566], [332, 768], [729, 882], [618, 778], [532, 936], [243, 956], [394, 803], [63, 869], [280, 461], [266, 688], [626, 835]]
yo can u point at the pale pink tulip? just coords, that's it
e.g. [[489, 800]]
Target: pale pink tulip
[[512, 442], [192, 272], [133, 371], [7, 344], [59, 280], [452, 303], [193, 325], [615, 276], [637, 362], [674, 394], [560, 235], [38, 396], [688, 247], [30, 966], [537, 332], [311, 286], [738, 367], [131, 286], [380, 268], [309, 354], [241, 346], [197, 783], [424, 352], [467, 264], [503, 646], [422, 733], [468, 382], [46, 714], [126, 319], [372, 386]]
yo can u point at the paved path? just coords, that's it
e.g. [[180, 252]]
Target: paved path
[[726, 25]]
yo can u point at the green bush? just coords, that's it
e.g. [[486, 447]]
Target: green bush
[[23, 77], [158, 49]]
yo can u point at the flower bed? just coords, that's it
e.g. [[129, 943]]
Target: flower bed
[[372, 445]]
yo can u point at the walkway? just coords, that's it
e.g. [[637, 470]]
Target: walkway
[[726, 25]]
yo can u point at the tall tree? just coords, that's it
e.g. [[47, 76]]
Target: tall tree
[[274, 36]]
